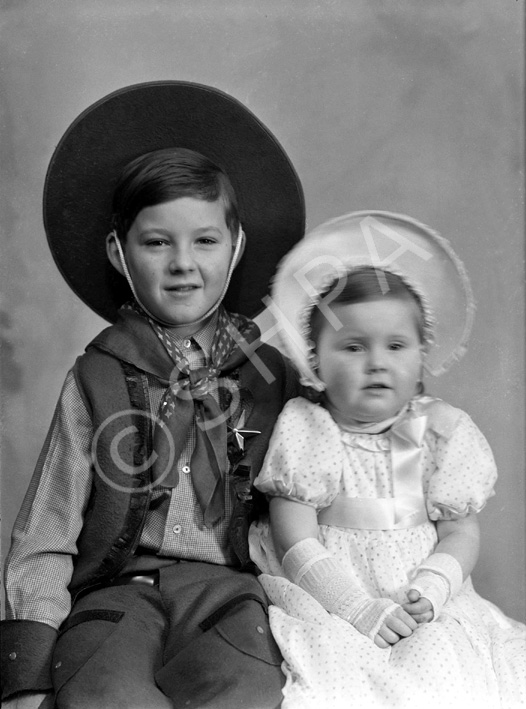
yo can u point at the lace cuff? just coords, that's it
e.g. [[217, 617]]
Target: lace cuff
[[309, 565], [438, 579]]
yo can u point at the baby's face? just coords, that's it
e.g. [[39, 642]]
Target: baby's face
[[371, 366], [178, 254]]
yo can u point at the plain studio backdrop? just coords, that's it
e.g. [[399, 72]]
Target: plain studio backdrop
[[410, 106]]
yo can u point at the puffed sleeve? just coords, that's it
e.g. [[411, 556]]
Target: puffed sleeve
[[304, 460], [465, 471]]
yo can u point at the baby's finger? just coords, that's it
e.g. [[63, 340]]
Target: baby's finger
[[423, 618], [420, 606], [413, 595], [380, 642], [409, 608], [388, 635], [403, 627]]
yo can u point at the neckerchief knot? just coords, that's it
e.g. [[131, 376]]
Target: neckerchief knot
[[197, 383]]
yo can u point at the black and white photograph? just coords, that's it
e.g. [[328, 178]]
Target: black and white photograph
[[262, 339]]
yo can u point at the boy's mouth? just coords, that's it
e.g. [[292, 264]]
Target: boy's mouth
[[377, 385], [186, 288]]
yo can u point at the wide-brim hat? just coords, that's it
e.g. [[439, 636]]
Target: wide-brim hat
[[389, 242], [138, 119]]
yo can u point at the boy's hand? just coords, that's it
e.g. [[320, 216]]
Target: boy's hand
[[28, 700], [398, 624], [420, 608]]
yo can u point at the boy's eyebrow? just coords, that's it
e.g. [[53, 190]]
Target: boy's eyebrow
[[162, 230], [206, 229]]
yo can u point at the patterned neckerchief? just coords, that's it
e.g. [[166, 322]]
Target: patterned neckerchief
[[188, 398]]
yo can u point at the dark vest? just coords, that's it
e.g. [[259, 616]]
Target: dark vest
[[116, 395]]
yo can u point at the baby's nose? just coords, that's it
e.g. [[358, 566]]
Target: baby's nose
[[376, 360]]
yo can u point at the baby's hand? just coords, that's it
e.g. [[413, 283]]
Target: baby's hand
[[420, 608], [396, 626]]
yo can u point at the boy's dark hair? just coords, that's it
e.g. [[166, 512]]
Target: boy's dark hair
[[364, 284], [168, 174]]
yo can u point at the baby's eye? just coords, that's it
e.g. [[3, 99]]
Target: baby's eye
[[396, 346], [354, 348]]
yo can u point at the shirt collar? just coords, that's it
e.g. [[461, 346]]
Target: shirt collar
[[204, 337]]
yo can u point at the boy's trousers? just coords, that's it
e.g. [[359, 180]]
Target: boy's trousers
[[198, 638]]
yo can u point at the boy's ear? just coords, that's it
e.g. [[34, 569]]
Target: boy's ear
[[112, 251], [241, 249]]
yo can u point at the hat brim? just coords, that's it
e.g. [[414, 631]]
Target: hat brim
[[387, 241], [137, 119]]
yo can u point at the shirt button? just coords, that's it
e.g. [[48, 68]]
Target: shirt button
[[177, 529], [260, 630], [186, 469], [12, 655], [187, 343]]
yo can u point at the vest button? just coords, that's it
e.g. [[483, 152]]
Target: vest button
[[12, 655]]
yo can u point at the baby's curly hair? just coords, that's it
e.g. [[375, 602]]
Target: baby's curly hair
[[362, 284]]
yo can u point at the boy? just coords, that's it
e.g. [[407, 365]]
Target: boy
[[131, 541]]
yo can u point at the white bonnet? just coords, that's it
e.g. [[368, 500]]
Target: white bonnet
[[388, 242]]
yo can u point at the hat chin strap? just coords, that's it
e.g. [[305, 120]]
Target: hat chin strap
[[233, 263]]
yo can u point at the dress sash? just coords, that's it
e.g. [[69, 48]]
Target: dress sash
[[374, 513], [407, 506]]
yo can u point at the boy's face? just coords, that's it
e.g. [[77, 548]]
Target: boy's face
[[371, 365], [178, 255]]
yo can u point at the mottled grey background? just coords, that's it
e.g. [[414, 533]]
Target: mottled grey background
[[413, 106]]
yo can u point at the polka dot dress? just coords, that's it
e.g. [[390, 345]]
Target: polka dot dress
[[471, 656]]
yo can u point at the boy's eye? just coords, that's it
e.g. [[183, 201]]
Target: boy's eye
[[355, 348], [155, 242], [396, 345], [207, 240]]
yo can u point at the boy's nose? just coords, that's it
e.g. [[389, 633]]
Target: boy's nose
[[181, 260]]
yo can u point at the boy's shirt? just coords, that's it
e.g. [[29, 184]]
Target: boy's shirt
[[51, 518]]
